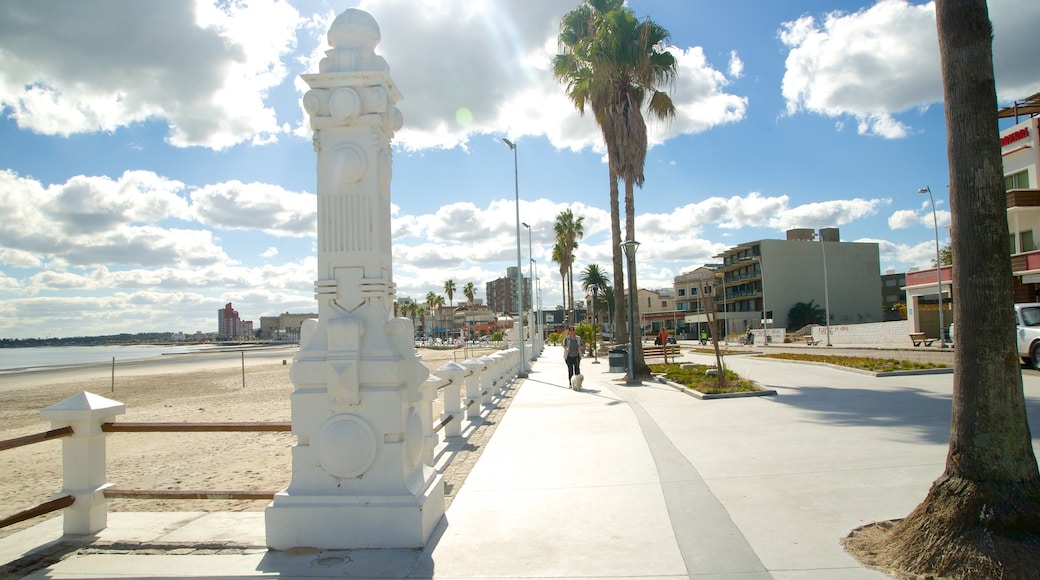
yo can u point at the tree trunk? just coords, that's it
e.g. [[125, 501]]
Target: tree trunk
[[981, 518], [620, 312], [630, 234]]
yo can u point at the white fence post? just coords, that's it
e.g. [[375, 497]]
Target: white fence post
[[452, 372], [476, 371], [83, 458], [430, 388]]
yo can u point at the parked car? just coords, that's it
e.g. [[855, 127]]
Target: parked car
[[1027, 333]]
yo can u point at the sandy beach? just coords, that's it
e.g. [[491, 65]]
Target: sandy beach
[[187, 388]]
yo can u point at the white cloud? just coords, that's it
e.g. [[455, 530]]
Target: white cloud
[[883, 61], [869, 64], [492, 61], [233, 205], [203, 70], [903, 218]]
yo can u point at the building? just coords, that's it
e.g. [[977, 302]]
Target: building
[[657, 310], [501, 293], [764, 279], [1020, 155], [474, 320], [285, 326], [231, 327], [1020, 150], [892, 295], [695, 292]]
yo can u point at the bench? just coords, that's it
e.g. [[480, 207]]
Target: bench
[[657, 350], [918, 339], [809, 341]]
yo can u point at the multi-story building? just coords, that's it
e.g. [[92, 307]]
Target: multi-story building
[[764, 279], [501, 293], [1020, 153], [230, 326], [657, 310], [474, 319], [285, 326], [695, 292], [1020, 149]]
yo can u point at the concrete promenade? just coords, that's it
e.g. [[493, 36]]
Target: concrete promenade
[[614, 481]]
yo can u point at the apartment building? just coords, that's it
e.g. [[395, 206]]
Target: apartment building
[[764, 279], [502, 296]]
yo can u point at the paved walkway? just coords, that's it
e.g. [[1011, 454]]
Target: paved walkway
[[615, 481]]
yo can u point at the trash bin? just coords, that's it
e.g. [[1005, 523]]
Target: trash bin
[[618, 358]]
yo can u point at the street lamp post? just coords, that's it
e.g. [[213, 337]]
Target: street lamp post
[[519, 272], [938, 266], [530, 274], [826, 290], [630, 247]]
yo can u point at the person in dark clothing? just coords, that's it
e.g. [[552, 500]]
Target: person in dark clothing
[[572, 347]]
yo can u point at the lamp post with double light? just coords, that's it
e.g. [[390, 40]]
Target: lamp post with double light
[[630, 247], [519, 271], [938, 266]]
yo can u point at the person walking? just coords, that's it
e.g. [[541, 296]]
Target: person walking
[[572, 347]]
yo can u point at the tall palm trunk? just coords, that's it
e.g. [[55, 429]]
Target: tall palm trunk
[[620, 312], [981, 517], [630, 234]]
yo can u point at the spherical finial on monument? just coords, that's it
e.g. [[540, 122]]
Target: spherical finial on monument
[[354, 28]]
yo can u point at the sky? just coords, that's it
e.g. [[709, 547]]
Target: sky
[[156, 161]]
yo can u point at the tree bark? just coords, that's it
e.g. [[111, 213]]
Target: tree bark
[[981, 518], [620, 312], [630, 234]]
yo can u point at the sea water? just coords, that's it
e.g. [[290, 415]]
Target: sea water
[[39, 357]]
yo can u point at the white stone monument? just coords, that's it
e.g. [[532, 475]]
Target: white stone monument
[[359, 479]]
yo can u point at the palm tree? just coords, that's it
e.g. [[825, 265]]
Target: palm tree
[[981, 517], [592, 281], [608, 300], [804, 313], [449, 289], [421, 312], [438, 303], [469, 291], [431, 302], [611, 62], [568, 231], [557, 256]]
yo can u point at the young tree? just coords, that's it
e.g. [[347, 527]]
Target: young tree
[[981, 517]]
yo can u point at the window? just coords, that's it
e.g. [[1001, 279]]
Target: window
[[890, 282], [682, 291], [1025, 241], [664, 304], [1018, 180], [648, 302]]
